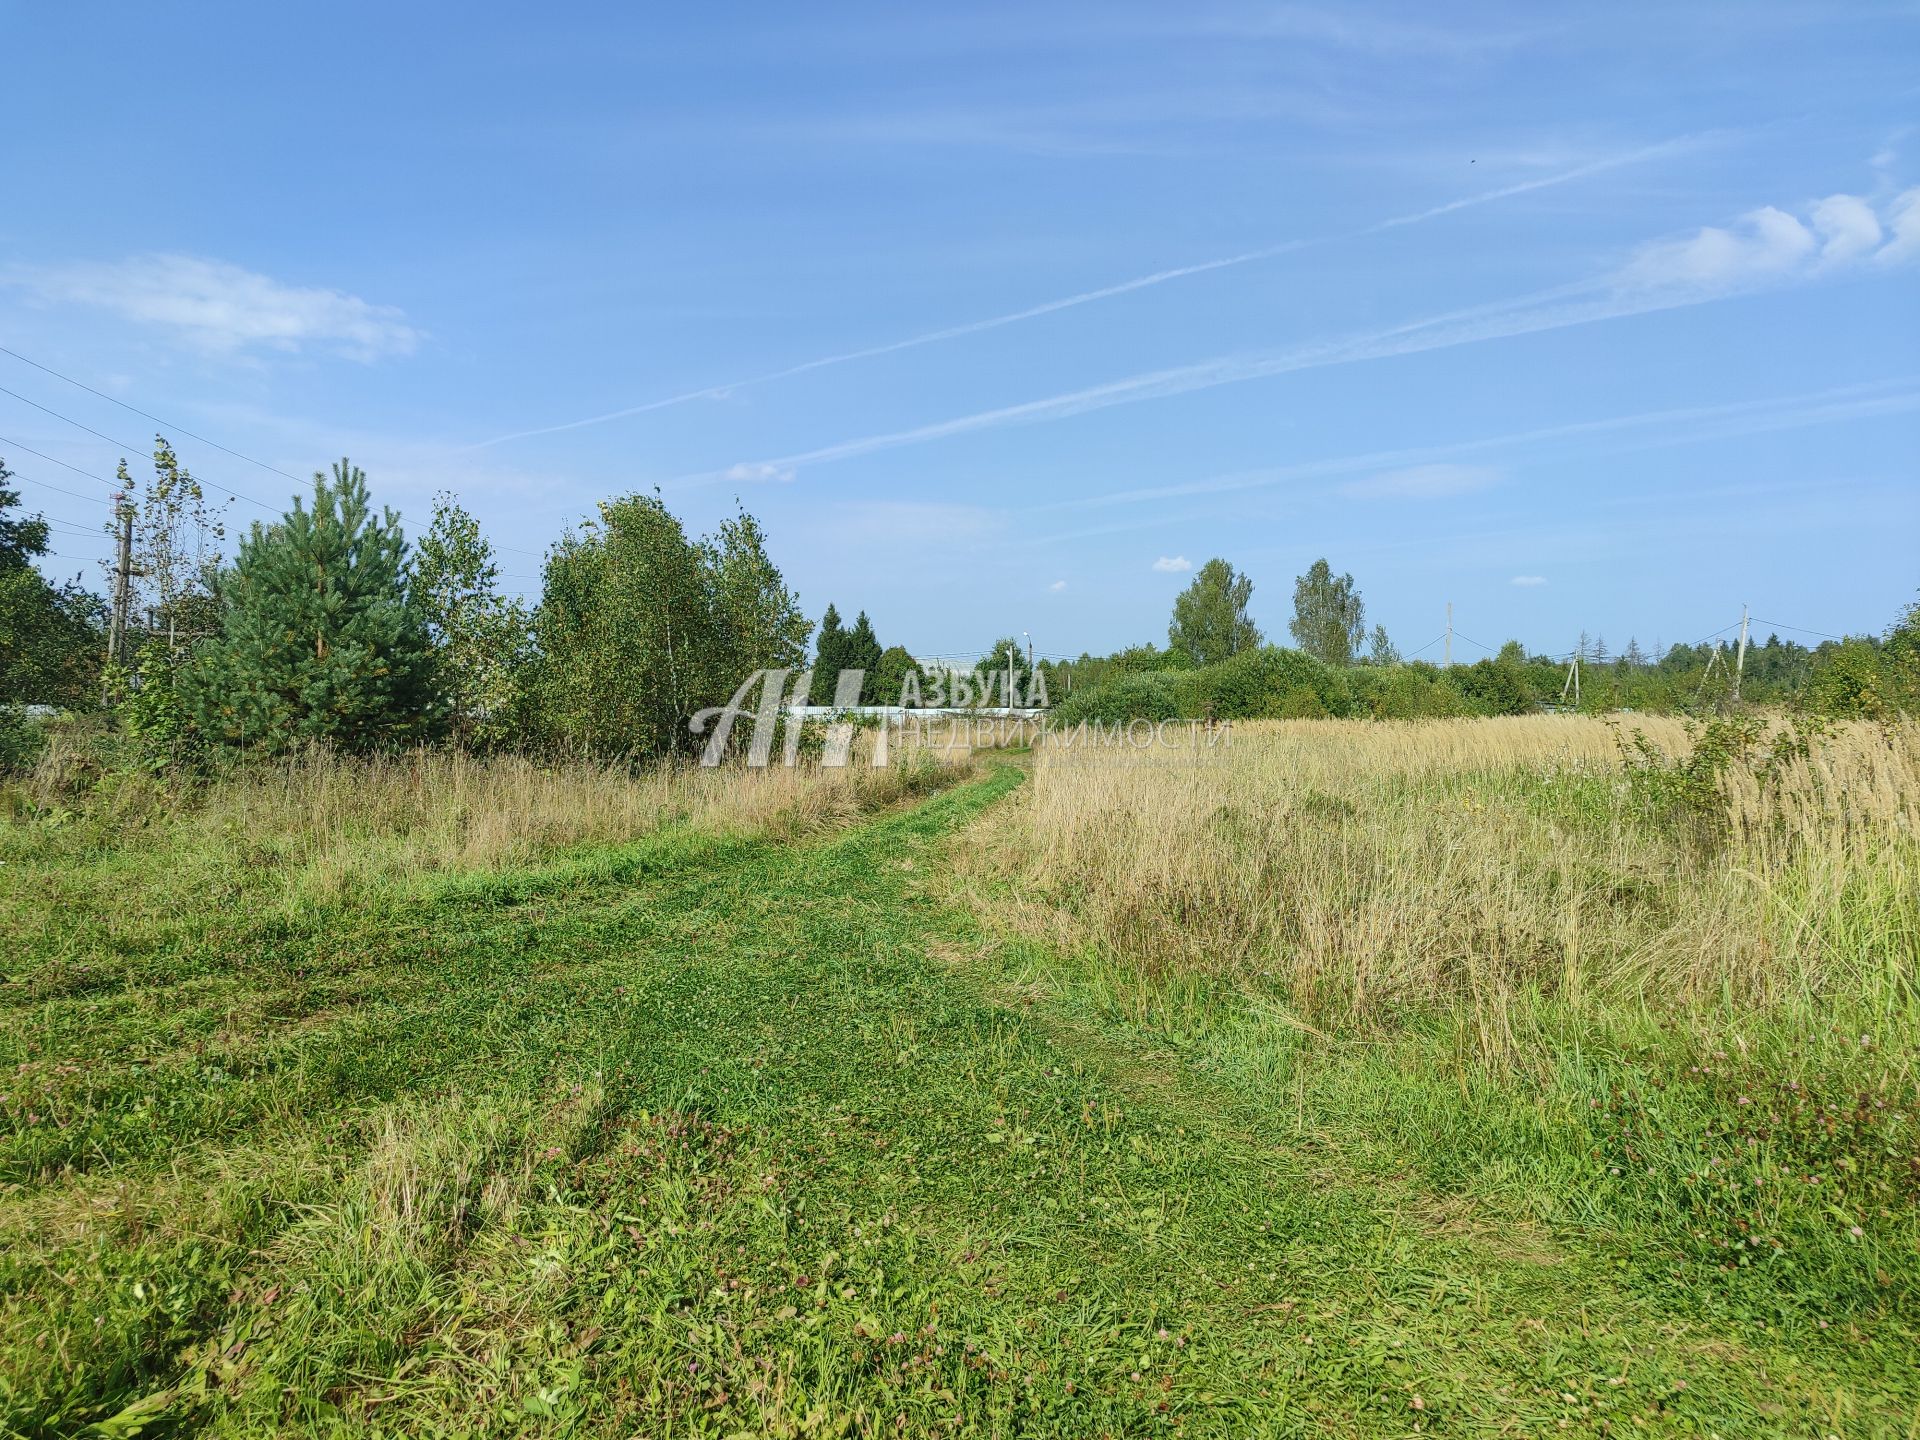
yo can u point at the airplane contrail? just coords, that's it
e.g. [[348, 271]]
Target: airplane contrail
[[1684, 425], [1105, 292]]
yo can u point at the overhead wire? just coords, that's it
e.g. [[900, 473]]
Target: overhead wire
[[172, 427]]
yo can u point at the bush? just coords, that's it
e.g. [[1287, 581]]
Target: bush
[[1151, 695], [1406, 692], [1270, 683], [22, 738], [1263, 684]]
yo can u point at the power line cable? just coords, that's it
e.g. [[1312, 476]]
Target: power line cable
[[123, 446], [96, 499], [146, 415], [42, 455], [1721, 631], [67, 526], [173, 428], [1797, 629]]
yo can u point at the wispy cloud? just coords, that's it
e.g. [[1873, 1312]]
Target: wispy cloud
[[1770, 245], [1423, 482], [761, 473], [1105, 292], [222, 307], [1657, 279], [907, 523], [1172, 564], [1057, 586], [1528, 582], [1613, 434]]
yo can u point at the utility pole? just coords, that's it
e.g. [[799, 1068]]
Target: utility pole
[[1446, 661], [1572, 682], [122, 577], [1009, 696], [1740, 657]]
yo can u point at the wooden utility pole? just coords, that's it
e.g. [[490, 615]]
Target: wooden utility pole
[[1740, 657], [122, 578]]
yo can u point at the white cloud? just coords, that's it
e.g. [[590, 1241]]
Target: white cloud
[[1903, 218], [1057, 586], [1172, 564], [1848, 227], [225, 308], [1527, 582], [1769, 245], [1767, 242], [763, 470], [1423, 482], [1667, 275]]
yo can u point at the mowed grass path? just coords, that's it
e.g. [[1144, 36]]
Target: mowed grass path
[[709, 1137]]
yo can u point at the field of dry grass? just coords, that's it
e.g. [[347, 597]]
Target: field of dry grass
[[319, 827], [1360, 867]]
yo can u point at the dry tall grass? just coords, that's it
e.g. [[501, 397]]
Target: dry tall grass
[[1362, 866], [318, 826]]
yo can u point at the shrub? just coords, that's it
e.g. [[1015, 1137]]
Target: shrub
[[1405, 692], [1270, 682], [1152, 695], [22, 738]]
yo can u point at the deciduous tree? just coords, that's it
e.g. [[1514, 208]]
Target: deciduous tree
[[481, 638], [1210, 621], [1328, 616]]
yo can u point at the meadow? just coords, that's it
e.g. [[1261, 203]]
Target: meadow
[[1544, 1075]]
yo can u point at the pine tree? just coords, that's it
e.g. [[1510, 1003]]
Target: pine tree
[[863, 654], [319, 640], [829, 657]]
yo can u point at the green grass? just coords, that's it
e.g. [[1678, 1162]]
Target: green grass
[[718, 1136]]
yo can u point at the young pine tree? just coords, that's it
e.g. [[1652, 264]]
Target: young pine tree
[[319, 640], [863, 654], [829, 657]]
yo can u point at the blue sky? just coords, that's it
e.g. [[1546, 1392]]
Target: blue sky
[[1002, 317]]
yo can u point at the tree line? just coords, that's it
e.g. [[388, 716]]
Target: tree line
[[328, 626], [1216, 663]]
